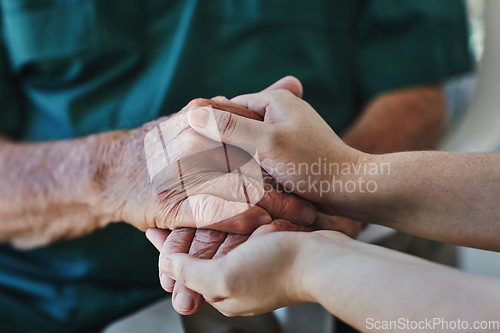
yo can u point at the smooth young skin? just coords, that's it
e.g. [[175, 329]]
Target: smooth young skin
[[443, 196], [448, 197], [353, 280], [208, 244]]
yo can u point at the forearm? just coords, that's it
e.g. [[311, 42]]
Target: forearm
[[50, 190], [449, 197], [363, 281], [411, 119]]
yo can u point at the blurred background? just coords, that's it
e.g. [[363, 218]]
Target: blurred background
[[473, 102]]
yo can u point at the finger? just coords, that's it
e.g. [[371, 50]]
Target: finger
[[229, 173], [204, 245], [231, 242], [186, 301], [200, 275], [281, 205], [179, 241], [157, 237], [237, 188], [211, 212], [290, 83], [224, 104], [232, 187], [347, 226], [222, 100], [277, 226], [265, 101], [244, 185], [223, 126]]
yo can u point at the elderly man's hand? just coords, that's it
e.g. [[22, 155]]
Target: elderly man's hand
[[68, 188], [165, 175]]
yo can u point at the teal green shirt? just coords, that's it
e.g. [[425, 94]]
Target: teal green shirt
[[69, 68]]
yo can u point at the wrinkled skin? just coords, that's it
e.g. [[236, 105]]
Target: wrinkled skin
[[163, 202]]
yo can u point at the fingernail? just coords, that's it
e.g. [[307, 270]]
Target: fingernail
[[166, 282], [166, 265], [265, 219], [184, 302], [308, 215], [199, 117]]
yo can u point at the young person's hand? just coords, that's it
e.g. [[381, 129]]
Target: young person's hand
[[202, 244], [260, 275], [293, 143]]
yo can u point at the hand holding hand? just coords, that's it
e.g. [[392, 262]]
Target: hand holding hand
[[293, 144], [203, 244], [203, 185], [260, 275], [211, 244]]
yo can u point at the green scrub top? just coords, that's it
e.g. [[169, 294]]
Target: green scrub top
[[70, 68]]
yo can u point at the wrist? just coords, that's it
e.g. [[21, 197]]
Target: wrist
[[296, 286], [365, 187], [313, 253], [324, 256], [106, 158], [349, 176]]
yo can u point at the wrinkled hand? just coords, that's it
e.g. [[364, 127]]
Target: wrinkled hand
[[165, 175]]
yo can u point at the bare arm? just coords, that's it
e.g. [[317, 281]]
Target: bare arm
[[50, 190], [444, 196], [411, 119], [404, 120], [449, 197], [394, 286], [362, 284], [65, 189]]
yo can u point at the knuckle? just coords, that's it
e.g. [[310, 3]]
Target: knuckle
[[209, 209], [225, 288], [226, 124], [281, 94], [178, 241], [243, 228], [254, 190], [229, 314], [220, 99], [276, 138], [200, 210], [180, 271], [227, 285], [190, 145]]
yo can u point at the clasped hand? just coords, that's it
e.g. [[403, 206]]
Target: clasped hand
[[202, 179]]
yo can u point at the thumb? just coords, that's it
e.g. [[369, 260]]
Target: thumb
[[200, 275], [226, 127], [290, 83]]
